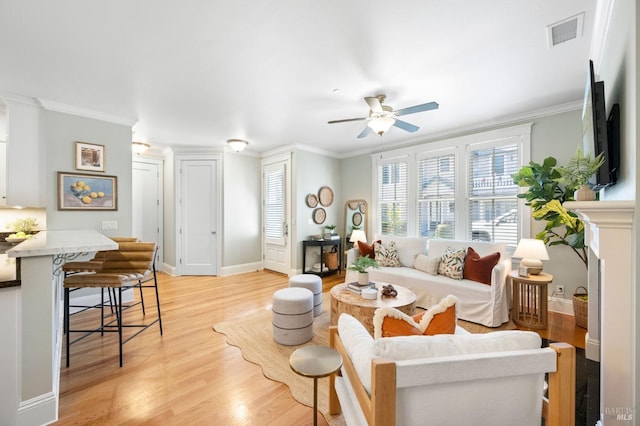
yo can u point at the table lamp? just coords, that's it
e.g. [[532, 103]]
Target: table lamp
[[357, 235], [532, 252]]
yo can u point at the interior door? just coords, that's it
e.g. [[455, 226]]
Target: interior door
[[276, 213], [147, 217], [198, 227]]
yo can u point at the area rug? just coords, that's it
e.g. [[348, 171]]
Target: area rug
[[253, 335]]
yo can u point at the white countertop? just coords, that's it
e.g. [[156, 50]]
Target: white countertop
[[47, 243]]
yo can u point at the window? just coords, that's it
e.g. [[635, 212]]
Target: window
[[436, 196], [493, 202], [274, 203], [458, 188], [392, 197]]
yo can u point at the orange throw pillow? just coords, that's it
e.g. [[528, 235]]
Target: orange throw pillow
[[367, 250], [478, 268], [439, 319]]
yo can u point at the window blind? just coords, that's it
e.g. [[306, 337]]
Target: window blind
[[493, 202], [392, 197], [436, 196], [274, 203]]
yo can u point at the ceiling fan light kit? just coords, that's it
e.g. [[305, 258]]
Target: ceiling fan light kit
[[237, 144], [382, 117], [139, 147]]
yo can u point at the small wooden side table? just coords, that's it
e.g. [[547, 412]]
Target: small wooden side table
[[316, 362], [530, 299]]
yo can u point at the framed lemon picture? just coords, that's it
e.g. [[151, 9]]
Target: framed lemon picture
[[78, 191]]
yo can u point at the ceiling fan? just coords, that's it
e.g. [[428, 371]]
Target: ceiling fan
[[382, 117]]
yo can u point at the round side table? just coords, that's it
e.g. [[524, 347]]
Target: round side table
[[530, 299], [316, 362]]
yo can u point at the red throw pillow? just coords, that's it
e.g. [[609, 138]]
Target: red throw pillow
[[367, 250], [478, 268]]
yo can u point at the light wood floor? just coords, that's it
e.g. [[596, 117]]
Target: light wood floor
[[190, 375]]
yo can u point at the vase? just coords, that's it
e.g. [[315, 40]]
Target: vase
[[584, 193], [363, 278]]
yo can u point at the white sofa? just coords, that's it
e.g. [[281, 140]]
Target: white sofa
[[480, 303], [463, 379]]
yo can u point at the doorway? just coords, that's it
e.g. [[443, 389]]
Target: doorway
[[147, 203], [276, 200]]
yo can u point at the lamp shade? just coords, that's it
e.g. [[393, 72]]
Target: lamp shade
[[381, 124], [237, 144], [358, 235], [532, 252], [139, 147]]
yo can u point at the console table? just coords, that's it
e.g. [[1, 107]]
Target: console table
[[325, 246]]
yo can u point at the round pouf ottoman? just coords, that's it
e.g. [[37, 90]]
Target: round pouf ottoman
[[292, 316], [313, 283]]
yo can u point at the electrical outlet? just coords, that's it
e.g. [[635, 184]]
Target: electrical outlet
[[560, 290], [109, 224]]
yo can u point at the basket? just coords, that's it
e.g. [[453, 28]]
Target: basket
[[331, 258], [581, 307]]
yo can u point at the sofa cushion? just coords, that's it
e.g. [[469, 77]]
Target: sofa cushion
[[408, 247], [452, 263], [367, 250], [387, 256], [442, 345], [483, 248], [439, 319], [359, 345], [478, 268], [427, 264]]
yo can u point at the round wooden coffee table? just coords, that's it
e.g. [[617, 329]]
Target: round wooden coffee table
[[348, 302]]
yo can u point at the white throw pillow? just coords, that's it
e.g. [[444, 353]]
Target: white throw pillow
[[427, 264], [440, 345]]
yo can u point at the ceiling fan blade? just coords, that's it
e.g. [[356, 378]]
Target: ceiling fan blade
[[405, 126], [374, 103], [365, 132], [417, 108], [347, 120]]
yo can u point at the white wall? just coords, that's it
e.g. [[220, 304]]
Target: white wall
[[242, 210], [61, 131]]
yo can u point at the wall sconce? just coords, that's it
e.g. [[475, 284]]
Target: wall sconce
[[139, 147], [237, 144]]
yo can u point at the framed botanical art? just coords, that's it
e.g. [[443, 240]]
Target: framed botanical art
[[79, 191], [90, 157]]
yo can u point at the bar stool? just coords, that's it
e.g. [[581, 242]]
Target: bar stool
[[132, 265]]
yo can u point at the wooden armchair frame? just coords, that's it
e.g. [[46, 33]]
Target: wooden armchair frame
[[379, 408]]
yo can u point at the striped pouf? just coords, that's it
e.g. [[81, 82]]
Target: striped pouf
[[313, 283], [292, 316]]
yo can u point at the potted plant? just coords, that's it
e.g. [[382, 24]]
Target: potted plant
[[545, 194], [361, 265], [577, 173], [331, 229]]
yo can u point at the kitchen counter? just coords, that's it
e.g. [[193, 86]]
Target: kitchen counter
[[31, 317]]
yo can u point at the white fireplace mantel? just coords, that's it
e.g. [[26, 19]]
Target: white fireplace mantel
[[611, 339]]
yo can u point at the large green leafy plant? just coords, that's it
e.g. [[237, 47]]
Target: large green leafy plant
[[545, 195]]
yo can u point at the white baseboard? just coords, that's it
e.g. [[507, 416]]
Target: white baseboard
[[169, 269], [241, 269], [560, 305], [40, 410]]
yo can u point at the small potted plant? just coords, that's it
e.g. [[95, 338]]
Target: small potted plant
[[361, 265], [578, 171]]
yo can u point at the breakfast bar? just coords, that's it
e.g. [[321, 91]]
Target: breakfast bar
[[30, 346]]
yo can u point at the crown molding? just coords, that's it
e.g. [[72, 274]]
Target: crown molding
[[87, 113]]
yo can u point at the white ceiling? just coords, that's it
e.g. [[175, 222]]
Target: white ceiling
[[201, 72]]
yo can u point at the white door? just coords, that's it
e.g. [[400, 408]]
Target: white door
[[147, 220], [276, 213], [198, 227]]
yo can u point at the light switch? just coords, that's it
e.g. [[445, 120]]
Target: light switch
[[109, 224]]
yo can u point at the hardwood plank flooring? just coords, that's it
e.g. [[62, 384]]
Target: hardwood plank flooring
[[190, 375]]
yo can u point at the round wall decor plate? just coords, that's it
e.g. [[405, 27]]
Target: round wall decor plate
[[312, 200], [325, 195], [319, 215], [356, 219]]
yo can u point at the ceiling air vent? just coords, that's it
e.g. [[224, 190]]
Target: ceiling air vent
[[565, 30]]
